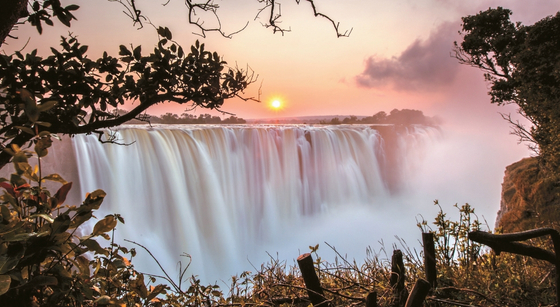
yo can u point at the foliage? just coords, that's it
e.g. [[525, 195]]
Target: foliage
[[186, 119], [468, 274], [522, 65], [80, 93], [395, 117]]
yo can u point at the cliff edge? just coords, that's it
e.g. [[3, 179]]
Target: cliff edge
[[529, 200]]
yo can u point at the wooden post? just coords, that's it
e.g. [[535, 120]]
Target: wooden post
[[418, 294], [312, 283], [371, 299], [398, 276], [430, 258]]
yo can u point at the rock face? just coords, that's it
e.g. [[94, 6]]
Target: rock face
[[529, 200]]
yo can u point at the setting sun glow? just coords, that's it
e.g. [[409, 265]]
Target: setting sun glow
[[276, 104]]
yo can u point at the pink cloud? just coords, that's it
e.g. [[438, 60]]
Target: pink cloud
[[424, 65]]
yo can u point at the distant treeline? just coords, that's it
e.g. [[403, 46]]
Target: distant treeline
[[170, 118], [396, 117]]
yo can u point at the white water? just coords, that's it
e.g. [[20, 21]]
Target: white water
[[227, 195]]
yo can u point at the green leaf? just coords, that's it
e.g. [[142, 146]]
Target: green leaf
[[5, 282]]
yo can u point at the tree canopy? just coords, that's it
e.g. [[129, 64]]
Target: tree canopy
[[522, 64]]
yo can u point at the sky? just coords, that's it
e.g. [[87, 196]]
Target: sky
[[397, 56]]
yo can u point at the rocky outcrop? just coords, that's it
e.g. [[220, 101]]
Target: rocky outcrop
[[529, 199]]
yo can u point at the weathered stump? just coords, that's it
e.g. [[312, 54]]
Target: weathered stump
[[430, 258], [312, 283], [371, 299], [418, 294], [398, 277]]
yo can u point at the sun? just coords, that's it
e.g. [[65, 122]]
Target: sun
[[276, 104]]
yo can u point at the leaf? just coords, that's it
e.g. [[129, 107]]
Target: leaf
[[26, 171], [56, 178], [24, 236], [94, 246], [72, 7], [93, 201], [46, 217], [8, 187], [103, 300], [43, 134], [83, 265], [61, 224], [105, 225], [5, 282], [124, 51], [8, 263], [139, 287], [164, 32], [45, 106], [5, 214], [155, 291], [137, 53], [42, 280], [26, 130], [80, 218], [61, 194]]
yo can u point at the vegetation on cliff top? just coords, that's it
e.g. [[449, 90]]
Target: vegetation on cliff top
[[521, 63]]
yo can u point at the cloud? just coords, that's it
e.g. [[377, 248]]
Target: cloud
[[424, 65]]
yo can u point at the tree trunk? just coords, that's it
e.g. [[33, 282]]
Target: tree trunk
[[10, 13]]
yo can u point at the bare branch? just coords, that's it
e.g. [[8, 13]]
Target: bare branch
[[336, 25], [520, 131], [131, 11], [208, 6], [194, 8], [275, 13]]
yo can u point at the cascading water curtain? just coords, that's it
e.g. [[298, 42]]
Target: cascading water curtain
[[218, 192]]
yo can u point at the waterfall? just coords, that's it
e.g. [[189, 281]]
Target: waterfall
[[224, 193]]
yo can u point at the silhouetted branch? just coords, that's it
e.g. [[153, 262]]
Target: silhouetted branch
[[273, 8], [520, 131], [336, 25]]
